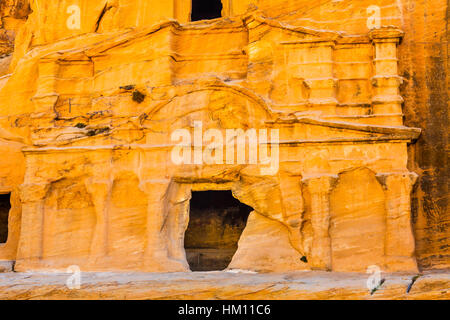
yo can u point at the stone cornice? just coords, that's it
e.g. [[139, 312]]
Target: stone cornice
[[221, 25], [397, 133], [386, 34]]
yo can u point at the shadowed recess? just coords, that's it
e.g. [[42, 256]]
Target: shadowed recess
[[5, 206], [217, 221], [206, 9]]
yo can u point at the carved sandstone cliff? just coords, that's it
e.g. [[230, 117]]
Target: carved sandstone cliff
[[94, 106]]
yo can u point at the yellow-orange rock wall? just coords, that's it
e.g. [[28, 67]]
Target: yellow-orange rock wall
[[423, 62]]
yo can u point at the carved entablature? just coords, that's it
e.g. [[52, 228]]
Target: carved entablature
[[323, 74]]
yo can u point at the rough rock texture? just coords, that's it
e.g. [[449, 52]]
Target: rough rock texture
[[95, 105], [424, 64], [6, 266], [224, 286], [13, 15], [277, 256]]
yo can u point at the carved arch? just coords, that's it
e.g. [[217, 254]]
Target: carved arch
[[226, 106]]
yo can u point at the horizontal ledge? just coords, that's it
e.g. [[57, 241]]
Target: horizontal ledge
[[406, 132], [369, 140], [6, 190]]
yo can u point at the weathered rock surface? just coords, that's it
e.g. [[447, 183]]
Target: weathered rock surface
[[343, 201], [6, 266], [274, 254], [13, 15], [224, 286]]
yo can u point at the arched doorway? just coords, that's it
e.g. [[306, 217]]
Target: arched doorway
[[217, 221]]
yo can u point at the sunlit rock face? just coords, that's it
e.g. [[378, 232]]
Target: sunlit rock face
[[91, 101], [13, 15]]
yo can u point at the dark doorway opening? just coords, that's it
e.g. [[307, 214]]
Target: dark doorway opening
[[216, 223], [206, 9], [5, 207]]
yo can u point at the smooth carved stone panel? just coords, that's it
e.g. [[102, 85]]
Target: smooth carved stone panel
[[69, 221], [357, 228]]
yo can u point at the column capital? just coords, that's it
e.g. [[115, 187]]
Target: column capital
[[32, 192], [98, 189], [385, 179], [320, 184], [149, 186], [386, 34]]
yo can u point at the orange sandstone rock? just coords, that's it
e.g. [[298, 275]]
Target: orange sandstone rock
[[88, 115]]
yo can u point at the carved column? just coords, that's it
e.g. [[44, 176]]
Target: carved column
[[386, 81], [100, 191], [156, 255], [155, 216], [33, 204], [319, 190], [293, 207], [320, 77], [177, 207], [400, 244]]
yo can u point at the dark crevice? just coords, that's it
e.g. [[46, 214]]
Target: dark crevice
[[413, 281], [217, 221], [105, 9], [206, 9], [5, 207], [378, 287]]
